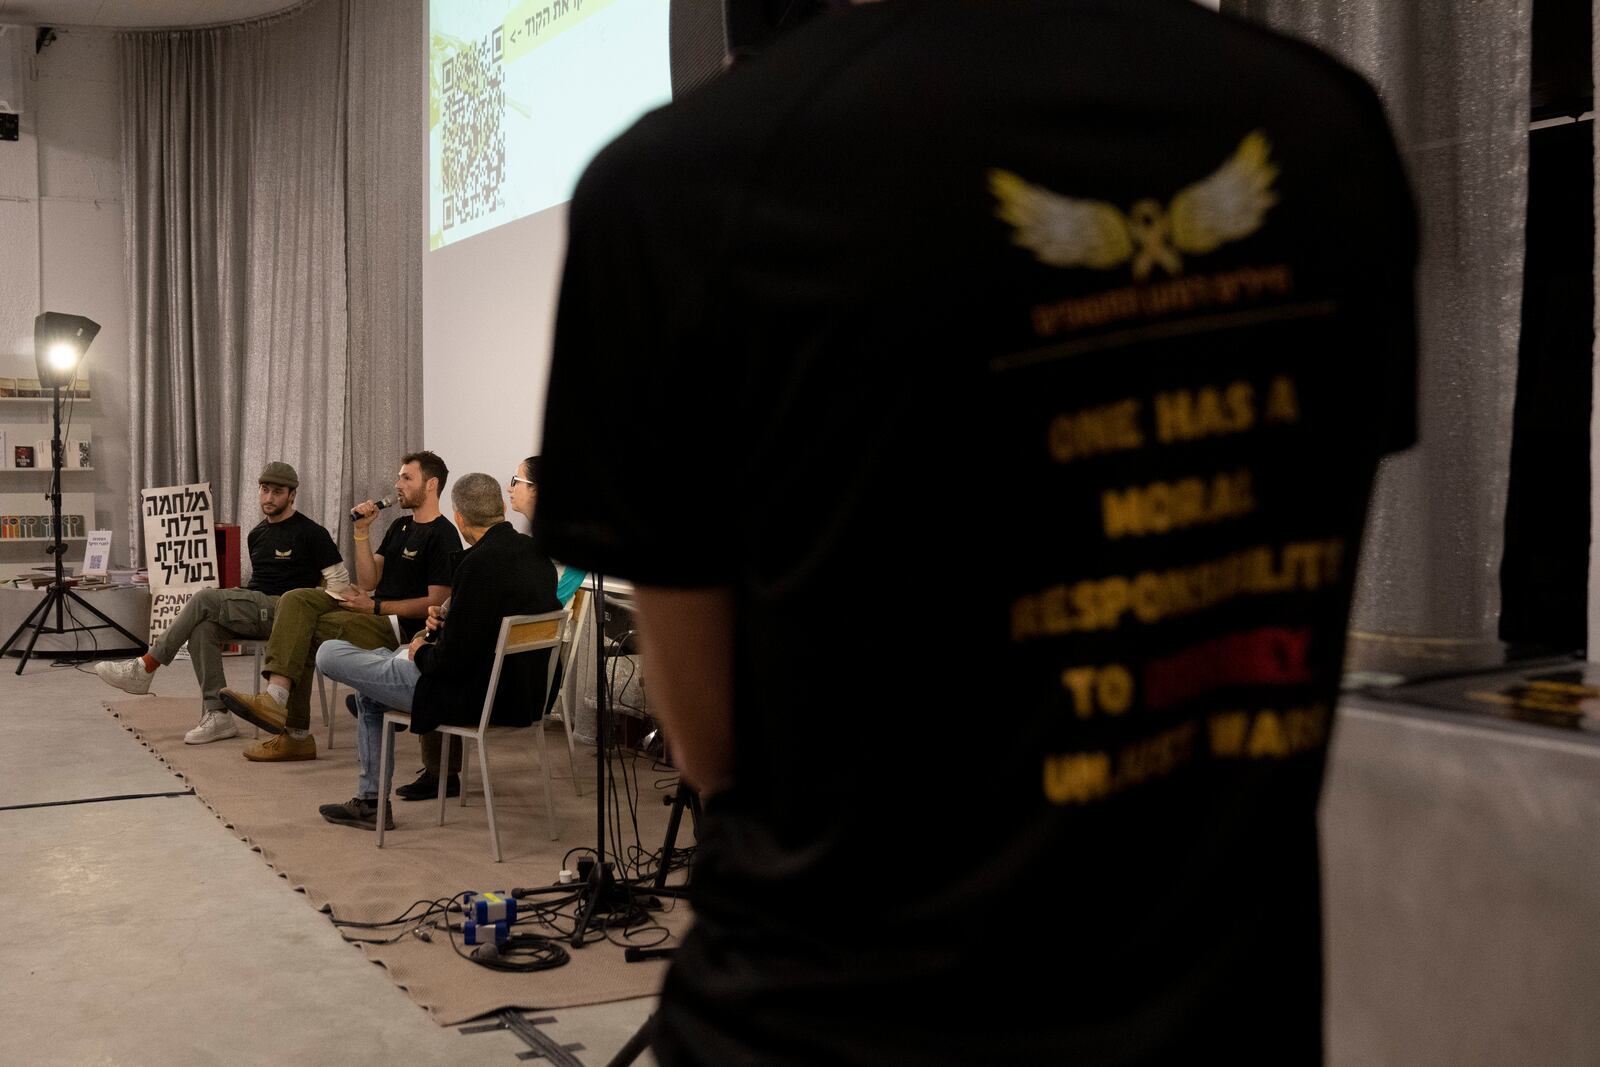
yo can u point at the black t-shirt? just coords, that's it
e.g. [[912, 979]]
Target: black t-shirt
[[289, 555], [415, 556], [1065, 337]]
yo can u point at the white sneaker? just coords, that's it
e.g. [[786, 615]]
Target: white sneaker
[[214, 726], [127, 675]]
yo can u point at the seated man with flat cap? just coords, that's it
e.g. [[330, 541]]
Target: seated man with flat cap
[[443, 681], [288, 550]]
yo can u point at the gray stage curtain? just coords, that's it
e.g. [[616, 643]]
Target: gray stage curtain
[[388, 103], [1593, 650], [274, 175], [1454, 76], [233, 177]]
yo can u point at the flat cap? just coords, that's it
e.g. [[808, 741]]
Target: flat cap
[[277, 473]]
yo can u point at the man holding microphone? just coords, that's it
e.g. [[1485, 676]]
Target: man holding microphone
[[408, 573]]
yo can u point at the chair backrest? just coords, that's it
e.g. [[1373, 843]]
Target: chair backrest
[[566, 675], [575, 619], [519, 634]]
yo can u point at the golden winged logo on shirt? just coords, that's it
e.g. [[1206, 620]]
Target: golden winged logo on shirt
[[1065, 231]]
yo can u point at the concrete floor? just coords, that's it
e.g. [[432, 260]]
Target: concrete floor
[[1461, 885], [144, 932]]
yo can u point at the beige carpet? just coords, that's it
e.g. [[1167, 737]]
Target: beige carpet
[[340, 869]]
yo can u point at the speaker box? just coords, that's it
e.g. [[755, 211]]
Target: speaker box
[[12, 77], [228, 555]]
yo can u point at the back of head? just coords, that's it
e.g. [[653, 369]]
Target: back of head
[[476, 498]]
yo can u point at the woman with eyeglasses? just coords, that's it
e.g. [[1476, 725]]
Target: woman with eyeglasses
[[524, 490]]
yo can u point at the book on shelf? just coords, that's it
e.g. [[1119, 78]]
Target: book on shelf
[[29, 387], [22, 456], [8, 387], [38, 527]]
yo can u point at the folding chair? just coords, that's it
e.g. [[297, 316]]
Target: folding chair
[[258, 646], [518, 634], [566, 696]]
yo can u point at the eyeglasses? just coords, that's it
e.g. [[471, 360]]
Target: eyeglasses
[[515, 478]]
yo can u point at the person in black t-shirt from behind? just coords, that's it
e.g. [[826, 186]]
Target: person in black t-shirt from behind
[[1115, 296], [288, 550], [408, 574]]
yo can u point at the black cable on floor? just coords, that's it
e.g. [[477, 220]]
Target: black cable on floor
[[94, 800]]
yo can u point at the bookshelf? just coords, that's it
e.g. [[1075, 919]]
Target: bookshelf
[[25, 426]]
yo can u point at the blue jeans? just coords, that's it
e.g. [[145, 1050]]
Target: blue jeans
[[382, 680]]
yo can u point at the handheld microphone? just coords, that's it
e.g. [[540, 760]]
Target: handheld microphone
[[355, 516]]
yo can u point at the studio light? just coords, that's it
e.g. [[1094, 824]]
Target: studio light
[[63, 357], [59, 342]]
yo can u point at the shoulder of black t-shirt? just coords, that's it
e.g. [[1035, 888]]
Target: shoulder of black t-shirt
[[444, 528], [396, 530], [440, 527], [265, 527]]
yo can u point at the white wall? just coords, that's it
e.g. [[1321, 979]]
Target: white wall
[[61, 249], [489, 310], [488, 314]]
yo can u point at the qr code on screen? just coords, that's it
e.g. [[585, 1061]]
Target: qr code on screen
[[473, 115]]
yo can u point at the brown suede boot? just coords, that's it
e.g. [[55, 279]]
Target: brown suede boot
[[281, 748]]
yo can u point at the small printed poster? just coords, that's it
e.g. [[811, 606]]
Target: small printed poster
[[22, 456], [97, 558]]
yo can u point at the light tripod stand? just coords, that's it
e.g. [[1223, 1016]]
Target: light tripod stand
[[60, 341]]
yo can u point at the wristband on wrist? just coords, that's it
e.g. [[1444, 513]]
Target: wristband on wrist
[[361, 539], [375, 603]]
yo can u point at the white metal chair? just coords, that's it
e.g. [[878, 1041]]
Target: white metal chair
[[566, 698], [518, 634], [258, 646], [326, 697]]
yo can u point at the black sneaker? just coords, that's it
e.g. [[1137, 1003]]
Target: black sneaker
[[357, 812], [351, 706], [426, 787]]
